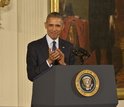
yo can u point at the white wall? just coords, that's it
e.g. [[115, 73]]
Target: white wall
[[120, 103], [8, 55], [22, 21], [31, 18]]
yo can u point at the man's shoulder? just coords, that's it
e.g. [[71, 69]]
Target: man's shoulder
[[36, 42], [66, 42]]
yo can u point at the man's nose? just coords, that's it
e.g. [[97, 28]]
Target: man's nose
[[54, 27]]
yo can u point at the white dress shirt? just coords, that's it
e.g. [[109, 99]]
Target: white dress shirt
[[50, 44]]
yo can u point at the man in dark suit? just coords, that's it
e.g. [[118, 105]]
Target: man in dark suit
[[44, 53]]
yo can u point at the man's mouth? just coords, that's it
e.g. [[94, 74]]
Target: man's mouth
[[54, 33]]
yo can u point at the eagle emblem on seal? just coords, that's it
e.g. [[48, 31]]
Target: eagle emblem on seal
[[87, 83]]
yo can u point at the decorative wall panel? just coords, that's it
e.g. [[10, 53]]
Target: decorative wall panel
[[31, 18]]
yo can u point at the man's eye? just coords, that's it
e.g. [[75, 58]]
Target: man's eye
[[50, 25], [57, 25]]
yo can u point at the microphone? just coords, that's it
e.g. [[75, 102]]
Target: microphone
[[75, 52], [85, 52], [81, 53], [81, 50]]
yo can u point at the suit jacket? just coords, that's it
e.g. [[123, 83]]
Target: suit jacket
[[37, 54]]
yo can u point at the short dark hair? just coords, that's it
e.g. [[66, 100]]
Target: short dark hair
[[55, 15]]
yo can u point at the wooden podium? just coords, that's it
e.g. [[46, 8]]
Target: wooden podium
[[56, 88]]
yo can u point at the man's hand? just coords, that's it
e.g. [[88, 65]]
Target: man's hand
[[61, 57], [56, 55], [111, 22], [53, 55]]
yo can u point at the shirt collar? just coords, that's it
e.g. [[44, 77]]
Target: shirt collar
[[49, 41]]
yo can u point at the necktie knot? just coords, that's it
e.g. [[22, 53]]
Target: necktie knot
[[54, 46]]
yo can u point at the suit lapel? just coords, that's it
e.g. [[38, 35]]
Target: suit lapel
[[44, 47], [62, 46]]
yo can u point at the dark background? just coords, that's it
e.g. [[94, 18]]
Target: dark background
[[105, 48]]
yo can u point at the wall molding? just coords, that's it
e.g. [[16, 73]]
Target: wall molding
[[31, 18]]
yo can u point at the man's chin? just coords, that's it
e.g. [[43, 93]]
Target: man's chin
[[54, 36]]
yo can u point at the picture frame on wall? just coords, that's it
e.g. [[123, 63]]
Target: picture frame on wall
[[114, 53]]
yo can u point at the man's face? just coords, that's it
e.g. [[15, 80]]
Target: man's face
[[54, 27]]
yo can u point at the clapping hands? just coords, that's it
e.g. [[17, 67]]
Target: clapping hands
[[56, 55]]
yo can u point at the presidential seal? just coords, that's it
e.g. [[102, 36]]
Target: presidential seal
[[87, 83]]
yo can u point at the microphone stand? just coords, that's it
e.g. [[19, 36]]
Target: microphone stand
[[81, 59], [81, 55]]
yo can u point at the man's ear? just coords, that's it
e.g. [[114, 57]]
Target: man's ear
[[63, 26], [45, 24]]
